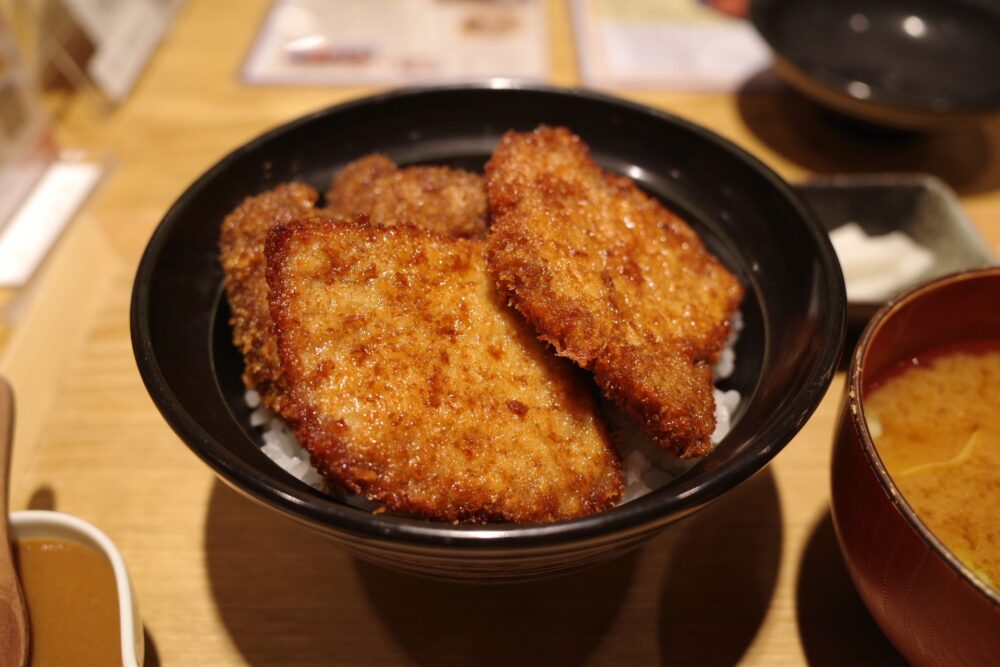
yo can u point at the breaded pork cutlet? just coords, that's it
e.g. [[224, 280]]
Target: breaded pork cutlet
[[449, 201], [612, 280], [444, 200], [413, 383], [241, 252]]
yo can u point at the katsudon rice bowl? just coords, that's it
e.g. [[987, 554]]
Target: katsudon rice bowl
[[782, 348]]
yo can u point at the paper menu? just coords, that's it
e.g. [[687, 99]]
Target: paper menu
[[356, 42], [678, 44]]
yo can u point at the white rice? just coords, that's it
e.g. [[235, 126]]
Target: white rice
[[280, 444], [647, 466]]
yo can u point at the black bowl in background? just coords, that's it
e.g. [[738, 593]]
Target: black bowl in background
[[794, 310], [910, 64]]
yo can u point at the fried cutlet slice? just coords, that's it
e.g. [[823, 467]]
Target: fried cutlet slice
[[413, 383], [445, 200], [241, 252], [612, 280]]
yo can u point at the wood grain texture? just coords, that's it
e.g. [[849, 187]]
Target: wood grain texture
[[756, 579]]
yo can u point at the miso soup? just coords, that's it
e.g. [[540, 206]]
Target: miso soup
[[935, 421]]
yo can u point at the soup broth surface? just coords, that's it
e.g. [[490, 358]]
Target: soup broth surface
[[935, 421]]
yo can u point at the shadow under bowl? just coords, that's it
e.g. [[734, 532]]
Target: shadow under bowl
[[794, 310], [907, 64], [930, 605]]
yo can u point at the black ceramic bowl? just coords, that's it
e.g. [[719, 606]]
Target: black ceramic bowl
[[910, 64], [794, 309]]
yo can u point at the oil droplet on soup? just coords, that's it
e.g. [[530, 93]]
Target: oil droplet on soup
[[72, 603], [938, 434]]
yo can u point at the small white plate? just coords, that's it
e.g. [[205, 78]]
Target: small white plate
[[920, 206], [42, 523]]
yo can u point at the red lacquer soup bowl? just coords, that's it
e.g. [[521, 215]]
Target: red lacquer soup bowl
[[930, 604]]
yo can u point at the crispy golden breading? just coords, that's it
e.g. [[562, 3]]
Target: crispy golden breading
[[241, 252], [412, 382], [444, 200], [612, 280]]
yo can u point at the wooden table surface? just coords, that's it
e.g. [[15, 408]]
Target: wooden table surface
[[756, 579]]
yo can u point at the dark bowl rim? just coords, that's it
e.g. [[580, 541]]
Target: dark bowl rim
[[855, 397], [881, 106], [631, 518]]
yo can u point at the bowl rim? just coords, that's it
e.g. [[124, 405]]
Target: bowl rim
[[59, 524], [880, 106], [855, 396], [633, 518]]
